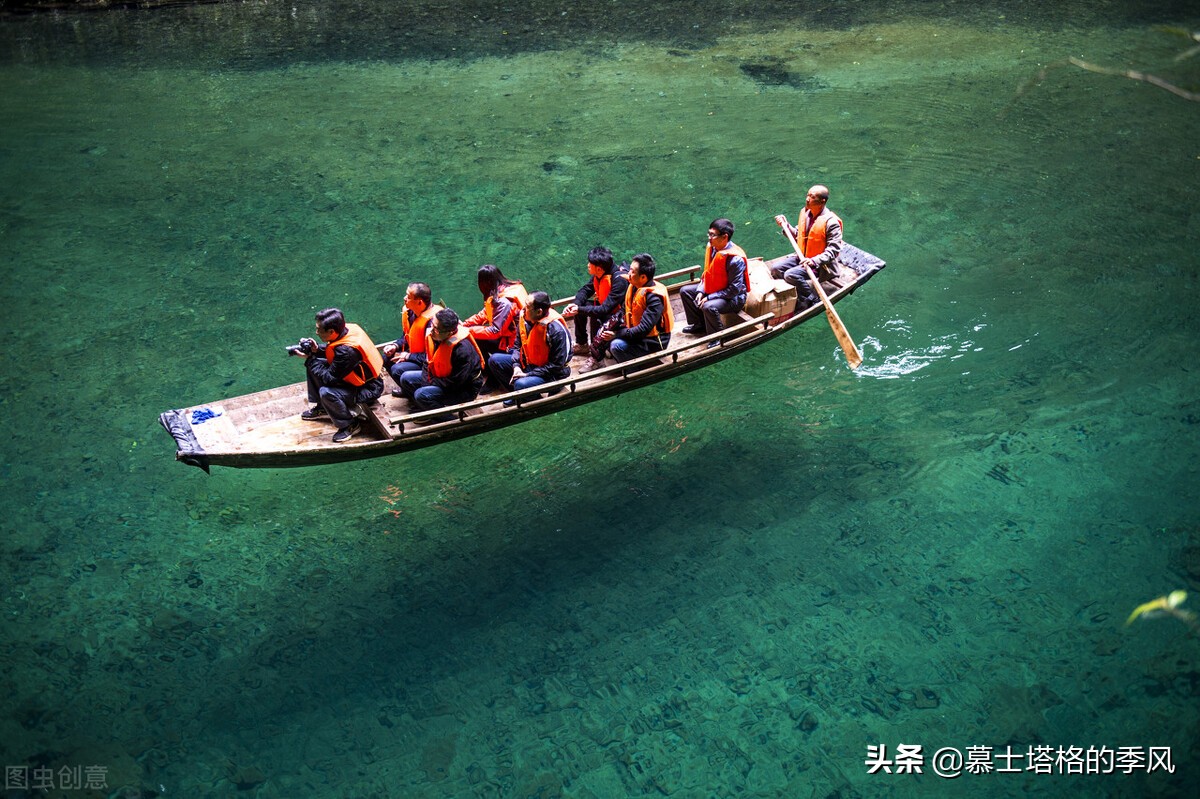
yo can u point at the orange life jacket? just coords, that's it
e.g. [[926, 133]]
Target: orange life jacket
[[439, 353], [812, 241], [601, 286], [414, 330], [635, 306], [535, 348], [716, 276], [515, 294], [371, 364]]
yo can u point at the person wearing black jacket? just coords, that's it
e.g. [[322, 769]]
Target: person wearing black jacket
[[341, 375], [723, 286], [648, 318], [453, 370], [597, 300], [542, 352]]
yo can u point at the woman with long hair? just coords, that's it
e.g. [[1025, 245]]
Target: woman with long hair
[[494, 327]]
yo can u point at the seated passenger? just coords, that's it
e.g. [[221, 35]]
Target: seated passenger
[[542, 353], [494, 327], [723, 286], [407, 353], [648, 319], [343, 374], [453, 371], [606, 290]]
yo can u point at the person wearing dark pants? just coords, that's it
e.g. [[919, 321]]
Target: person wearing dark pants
[[542, 353], [818, 232], [343, 376], [407, 353], [596, 301], [453, 372], [648, 319], [494, 327], [723, 285]]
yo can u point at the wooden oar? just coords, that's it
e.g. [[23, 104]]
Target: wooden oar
[[853, 357]]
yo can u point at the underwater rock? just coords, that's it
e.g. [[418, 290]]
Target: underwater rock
[[245, 777], [560, 167], [801, 713], [925, 699], [773, 72], [1191, 562]]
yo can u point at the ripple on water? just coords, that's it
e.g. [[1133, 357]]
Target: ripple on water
[[900, 358]]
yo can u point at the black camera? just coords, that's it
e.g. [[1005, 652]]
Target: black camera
[[305, 346]]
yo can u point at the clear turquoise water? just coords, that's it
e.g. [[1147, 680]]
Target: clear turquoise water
[[726, 586]]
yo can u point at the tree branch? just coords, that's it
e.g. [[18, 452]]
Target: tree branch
[[1132, 74]]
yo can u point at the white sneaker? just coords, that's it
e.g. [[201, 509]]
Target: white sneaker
[[589, 365]]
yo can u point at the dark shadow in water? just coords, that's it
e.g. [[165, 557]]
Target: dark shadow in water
[[773, 72], [452, 599], [278, 34]]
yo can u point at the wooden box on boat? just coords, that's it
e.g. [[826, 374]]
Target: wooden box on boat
[[768, 295]]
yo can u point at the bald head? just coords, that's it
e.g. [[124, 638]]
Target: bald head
[[817, 197]]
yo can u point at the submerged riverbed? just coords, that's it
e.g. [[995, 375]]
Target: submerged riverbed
[[730, 584]]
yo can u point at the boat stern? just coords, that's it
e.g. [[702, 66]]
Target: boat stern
[[178, 423]]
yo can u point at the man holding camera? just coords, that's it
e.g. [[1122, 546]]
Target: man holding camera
[[348, 372]]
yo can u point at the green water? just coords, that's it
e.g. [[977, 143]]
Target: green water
[[730, 585]]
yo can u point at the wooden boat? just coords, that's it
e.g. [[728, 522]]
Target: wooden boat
[[264, 429]]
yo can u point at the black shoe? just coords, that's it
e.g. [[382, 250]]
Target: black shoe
[[315, 412], [397, 392], [694, 330], [346, 433]]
